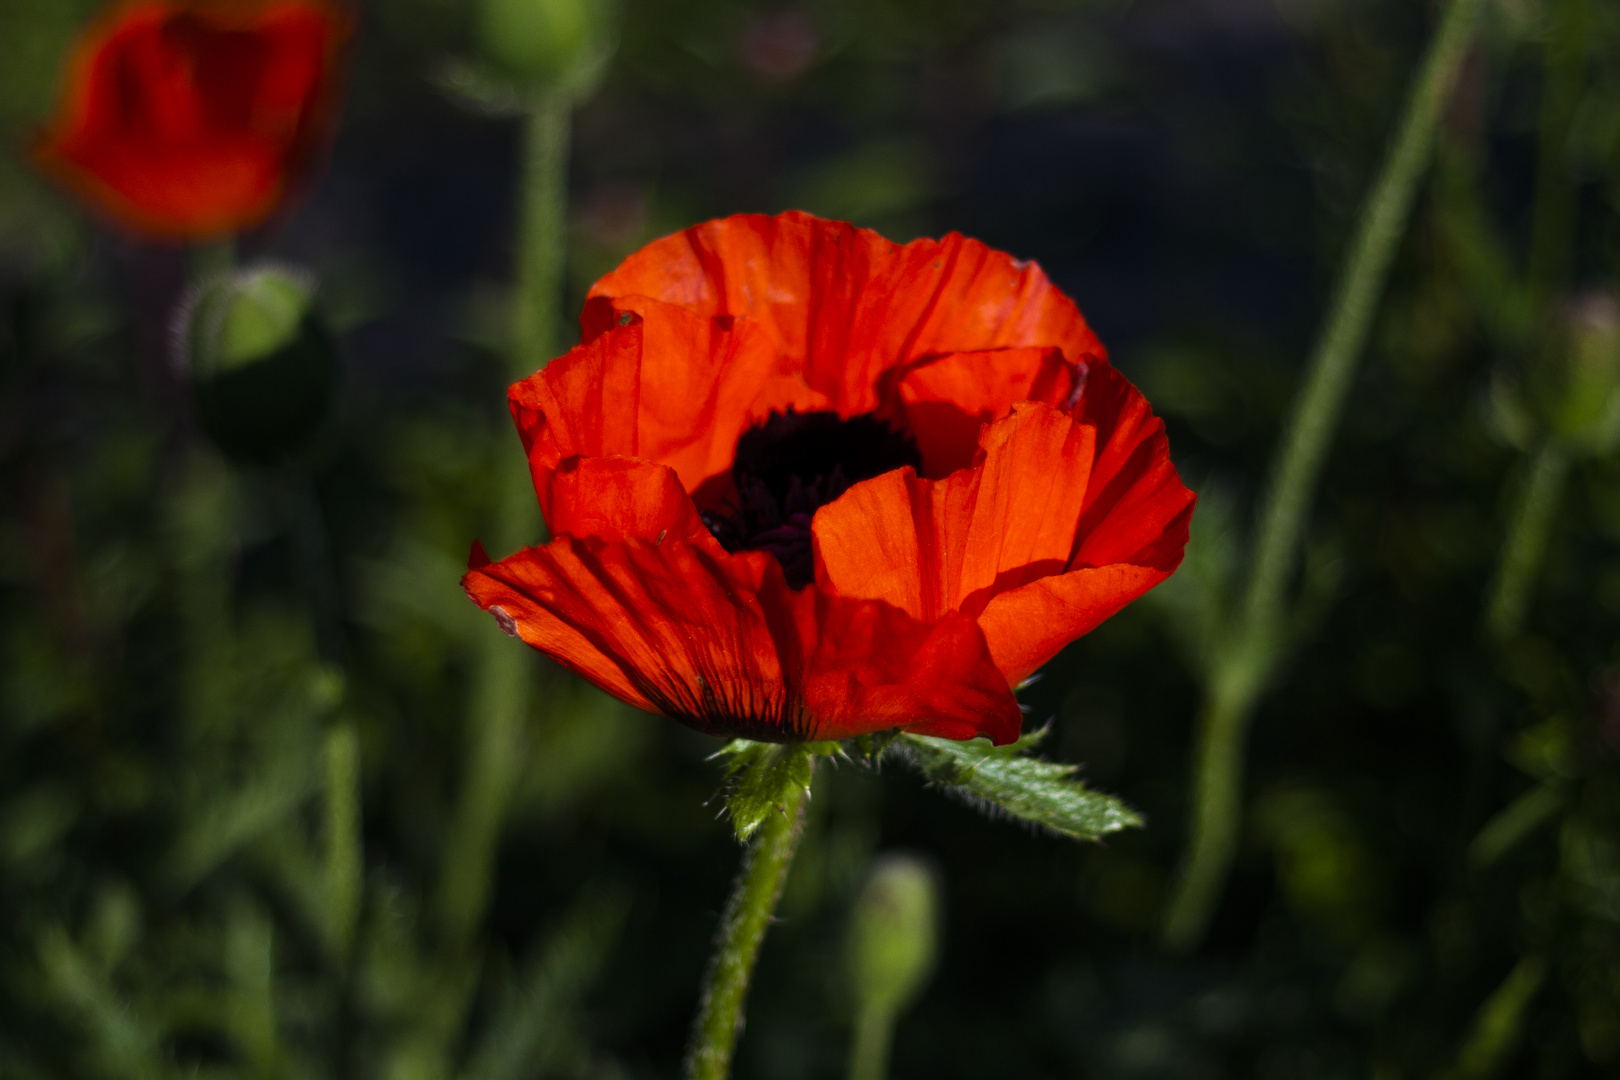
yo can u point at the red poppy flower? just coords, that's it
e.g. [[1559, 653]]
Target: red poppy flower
[[188, 119], [805, 483]]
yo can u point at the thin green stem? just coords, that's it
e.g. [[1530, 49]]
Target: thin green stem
[[742, 928], [1552, 229], [869, 1053], [201, 515], [1300, 454], [1320, 401], [541, 237], [502, 681], [312, 551], [1526, 540], [496, 712], [1216, 814], [342, 839]]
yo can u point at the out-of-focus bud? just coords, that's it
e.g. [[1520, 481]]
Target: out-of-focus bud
[[544, 44], [893, 935], [261, 365], [1578, 392]]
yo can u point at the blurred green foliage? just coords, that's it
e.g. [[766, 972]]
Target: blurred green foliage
[[236, 757]]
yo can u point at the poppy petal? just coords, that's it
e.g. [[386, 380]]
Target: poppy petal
[[994, 530], [721, 643], [1135, 496], [947, 399], [713, 377], [1029, 625], [868, 666], [188, 120], [948, 545], [846, 304], [617, 498]]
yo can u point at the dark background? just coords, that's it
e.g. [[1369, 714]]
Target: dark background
[[1189, 171]]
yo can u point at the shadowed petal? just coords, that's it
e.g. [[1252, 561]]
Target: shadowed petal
[[1135, 495], [721, 643], [708, 380], [947, 399]]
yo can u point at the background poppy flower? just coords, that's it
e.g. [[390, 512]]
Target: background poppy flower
[[189, 120], [806, 483]]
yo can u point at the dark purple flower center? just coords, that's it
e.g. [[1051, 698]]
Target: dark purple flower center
[[790, 465]]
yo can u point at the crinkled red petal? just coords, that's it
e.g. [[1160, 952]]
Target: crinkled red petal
[[710, 378], [947, 399], [844, 305], [990, 541], [722, 644], [617, 498]]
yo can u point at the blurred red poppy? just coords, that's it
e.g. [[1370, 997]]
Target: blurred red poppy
[[189, 119], [806, 483]]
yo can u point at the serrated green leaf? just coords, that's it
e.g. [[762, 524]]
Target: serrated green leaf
[[1006, 780], [759, 777]]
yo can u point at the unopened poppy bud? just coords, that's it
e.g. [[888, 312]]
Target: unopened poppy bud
[[542, 44], [893, 935], [260, 362], [1581, 390]]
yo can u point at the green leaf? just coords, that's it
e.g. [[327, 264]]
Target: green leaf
[[759, 777], [1005, 780]]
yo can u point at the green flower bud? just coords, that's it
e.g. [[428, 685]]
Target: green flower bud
[[261, 365], [893, 935], [1578, 389], [542, 44]]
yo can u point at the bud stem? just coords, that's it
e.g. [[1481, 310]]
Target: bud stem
[[1526, 540], [742, 928], [541, 236], [869, 1056], [502, 689], [1297, 466]]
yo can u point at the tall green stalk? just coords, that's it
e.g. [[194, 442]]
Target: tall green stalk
[[541, 236], [1552, 245], [1526, 540], [742, 928], [502, 682], [1552, 228], [1244, 667]]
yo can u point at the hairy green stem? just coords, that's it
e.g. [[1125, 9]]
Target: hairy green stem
[[1552, 229], [1216, 810], [342, 841], [1298, 464], [742, 928], [502, 681], [312, 551], [869, 1053], [541, 237], [496, 711], [1526, 540]]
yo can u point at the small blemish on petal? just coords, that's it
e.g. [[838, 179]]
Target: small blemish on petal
[[507, 624], [661, 536], [1082, 372]]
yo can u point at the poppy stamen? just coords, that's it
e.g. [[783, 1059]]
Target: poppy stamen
[[790, 465]]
